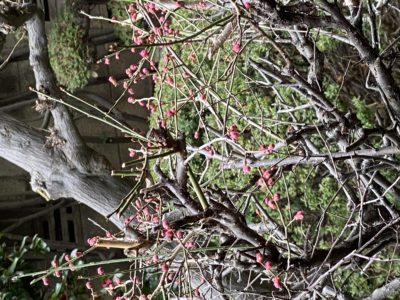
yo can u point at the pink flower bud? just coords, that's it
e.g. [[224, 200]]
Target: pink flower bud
[[196, 135], [271, 204], [67, 258], [247, 5], [299, 215], [277, 282], [100, 271], [113, 81], [45, 281], [259, 257], [268, 265], [179, 234], [169, 234], [89, 285], [246, 169], [236, 47], [144, 53], [276, 197], [166, 225], [54, 264], [164, 267], [155, 259]]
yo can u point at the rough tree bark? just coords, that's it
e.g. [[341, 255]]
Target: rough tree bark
[[61, 166]]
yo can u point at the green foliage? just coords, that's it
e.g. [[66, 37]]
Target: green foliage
[[363, 112], [118, 10], [69, 53], [12, 262]]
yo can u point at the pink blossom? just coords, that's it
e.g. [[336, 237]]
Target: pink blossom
[[276, 197], [57, 274], [145, 71], [100, 271], [179, 234], [131, 8], [169, 234], [67, 258], [54, 264], [112, 80], [131, 100], [261, 183], [106, 283], [107, 61], [146, 211], [144, 53], [196, 292], [179, 4], [164, 267], [155, 259], [196, 135], [142, 297], [171, 112], [247, 4], [89, 285], [169, 80], [166, 225], [268, 265], [92, 241], [299, 215], [170, 276], [155, 77], [202, 97], [71, 267], [45, 281], [117, 56], [117, 280], [125, 84], [271, 204], [236, 47], [266, 174], [131, 91], [233, 133], [128, 72], [108, 234], [277, 282], [267, 149], [132, 153], [259, 257], [189, 245], [246, 169]]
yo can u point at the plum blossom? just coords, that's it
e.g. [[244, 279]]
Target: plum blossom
[[236, 47], [277, 282], [113, 81], [268, 265], [233, 133], [259, 257], [298, 216], [45, 281], [100, 271], [246, 169]]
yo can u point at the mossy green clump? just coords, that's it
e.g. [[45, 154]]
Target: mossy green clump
[[69, 53]]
